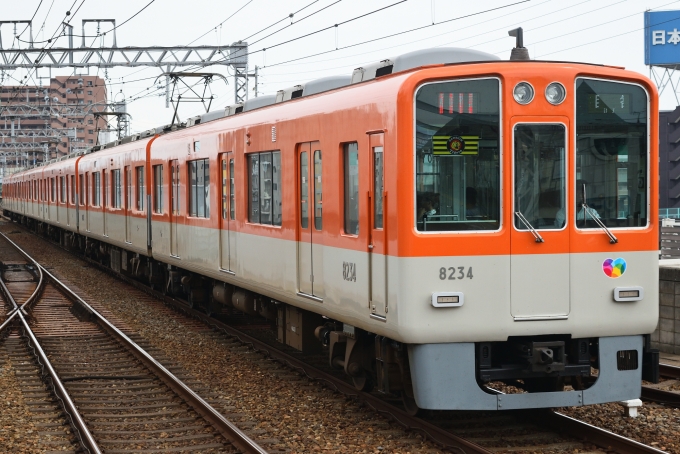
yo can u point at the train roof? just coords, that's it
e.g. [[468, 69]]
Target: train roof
[[401, 63]]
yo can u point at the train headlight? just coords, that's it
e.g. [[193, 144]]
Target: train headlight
[[555, 93], [523, 93]]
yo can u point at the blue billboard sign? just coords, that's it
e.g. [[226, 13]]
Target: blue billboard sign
[[662, 36]]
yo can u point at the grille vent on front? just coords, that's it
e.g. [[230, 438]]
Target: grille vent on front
[[627, 360], [273, 133]]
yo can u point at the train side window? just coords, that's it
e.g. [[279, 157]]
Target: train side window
[[351, 177], [96, 189], [73, 189], [264, 184], [199, 188], [139, 171], [35, 189], [53, 189], [115, 188], [158, 188], [232, 196], [81, 194]]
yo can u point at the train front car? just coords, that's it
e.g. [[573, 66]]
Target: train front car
[[527, 243]]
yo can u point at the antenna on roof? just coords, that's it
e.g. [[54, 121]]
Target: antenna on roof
[[519, 52]]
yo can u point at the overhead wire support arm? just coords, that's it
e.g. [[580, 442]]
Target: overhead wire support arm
[[110, 57]]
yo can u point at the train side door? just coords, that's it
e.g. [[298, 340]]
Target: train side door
[[174, 207], [88, 199], [128, 203], [539, 239], [377, 244], [310, 222], [228, 212], [105, 199]]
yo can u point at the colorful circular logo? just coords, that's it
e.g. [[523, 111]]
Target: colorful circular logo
[[455, 145], [614, 267]]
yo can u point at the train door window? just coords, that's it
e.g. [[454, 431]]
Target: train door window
[[158, 188], [232, 195], [139, 171], [82, 189], [351, 177], [612, 154], [73, 189], [199, 188], [458, 156], [174, 189], [115, 189], [225, 190], [378, 187], [35, 189], [264, 183], [62, 186], [128, 187], [96, 189], [304, 190], [105, 186], [53, 190], [318, 191], [266, 188], [540, 186]]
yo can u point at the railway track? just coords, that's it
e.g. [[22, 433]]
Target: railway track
[[666, 392], [117, 397], [478, 432]]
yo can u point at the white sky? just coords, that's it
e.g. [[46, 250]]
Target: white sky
[[594, 31]]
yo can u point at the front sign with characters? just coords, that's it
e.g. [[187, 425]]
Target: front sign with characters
[[662, 36]]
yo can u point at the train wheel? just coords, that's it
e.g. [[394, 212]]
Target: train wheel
[[363, 382], [410, 405]]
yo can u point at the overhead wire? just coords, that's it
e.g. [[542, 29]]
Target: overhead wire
[[290, 16], [396, 34], [297, 22], [221, 23]]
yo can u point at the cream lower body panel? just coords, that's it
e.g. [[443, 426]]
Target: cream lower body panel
[[269, 266]]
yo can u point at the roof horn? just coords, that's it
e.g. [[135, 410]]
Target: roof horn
[[519, 52]]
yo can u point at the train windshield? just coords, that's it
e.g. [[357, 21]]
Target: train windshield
[[458, 156], [611, 154]]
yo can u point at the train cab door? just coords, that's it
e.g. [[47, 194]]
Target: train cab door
[[174, 207], [228, 212], [539, 244], [310, 222], [377, 244], [128, 203]]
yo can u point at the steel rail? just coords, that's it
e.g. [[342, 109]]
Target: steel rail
[[85, 435], [596, 435], [667, 370], [661, 396], [41, 279], [232, 433]]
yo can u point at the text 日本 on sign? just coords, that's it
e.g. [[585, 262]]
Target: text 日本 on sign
[[662, 38]]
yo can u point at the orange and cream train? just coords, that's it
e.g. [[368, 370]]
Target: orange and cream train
[[439, 222]]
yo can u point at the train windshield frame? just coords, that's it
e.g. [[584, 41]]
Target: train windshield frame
[[612, 154], [458, 156]]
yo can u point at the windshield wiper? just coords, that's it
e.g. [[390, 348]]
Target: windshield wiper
[[598, 221], [539, 238]]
